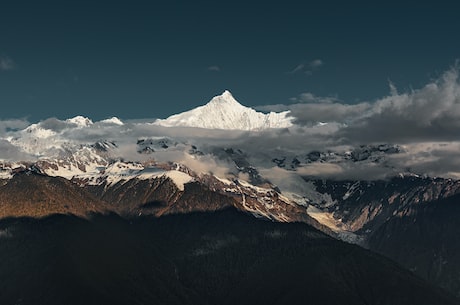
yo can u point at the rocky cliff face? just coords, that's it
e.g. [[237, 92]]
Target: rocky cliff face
[[412, 220], [32, 193]]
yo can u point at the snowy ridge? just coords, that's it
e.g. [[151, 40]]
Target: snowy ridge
[[113, 121], [36, 140], [49, 138], [80, 121], [88, 168], [224, 112], [125, 171]]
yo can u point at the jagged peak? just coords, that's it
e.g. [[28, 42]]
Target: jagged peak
[[227, 95], [225, 98]]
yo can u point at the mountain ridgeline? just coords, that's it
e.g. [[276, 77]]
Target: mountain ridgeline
[[114, 212]]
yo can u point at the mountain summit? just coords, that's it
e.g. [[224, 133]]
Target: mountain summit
[[224, 112]]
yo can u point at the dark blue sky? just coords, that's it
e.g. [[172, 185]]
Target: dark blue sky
[[136, 59]]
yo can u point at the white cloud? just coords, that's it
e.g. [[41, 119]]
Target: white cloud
[[10, 152], [308, 97], [11, 125], [6, 63], [425, 121], [316, 63], [298, 68], [310, 113], [430, 158], [431, 113], [307, 67], [274, 108], [320, 170], [309, 109], [214, 68]]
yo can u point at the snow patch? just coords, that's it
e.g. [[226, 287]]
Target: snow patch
[[351, 190], [5, 174], [119, 171], [224, 181], [179, 178]]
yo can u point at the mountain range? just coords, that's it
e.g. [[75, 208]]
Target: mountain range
[[224, 156]]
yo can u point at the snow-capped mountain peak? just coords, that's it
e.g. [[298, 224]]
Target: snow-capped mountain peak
[[226, 98], [113, 121], [37, 131], [80, 121], [225, 112]]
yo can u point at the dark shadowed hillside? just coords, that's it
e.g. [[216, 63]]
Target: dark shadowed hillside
[[225, 257], [425, 241]]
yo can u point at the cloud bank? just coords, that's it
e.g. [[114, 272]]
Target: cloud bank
[[425, 121], [431, 113], [424, 124]]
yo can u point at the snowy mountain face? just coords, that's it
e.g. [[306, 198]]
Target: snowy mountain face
[[224, 112], [130, 152], [80, 121]]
